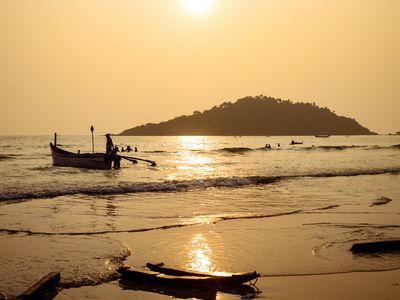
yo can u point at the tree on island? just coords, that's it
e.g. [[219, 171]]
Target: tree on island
[[256, 116]]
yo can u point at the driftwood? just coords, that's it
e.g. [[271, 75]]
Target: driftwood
[[45, 287], [373, 247]]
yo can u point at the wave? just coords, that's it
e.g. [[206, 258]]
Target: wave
[[172, 186], [206, 220], [9, 156], [156, 151], [236, 149], [313, 148], [337, 147], [395, 146]]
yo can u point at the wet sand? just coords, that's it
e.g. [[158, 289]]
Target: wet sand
[[346, 286], [277, 245]]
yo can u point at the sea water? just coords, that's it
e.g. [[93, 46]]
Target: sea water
[[211, 204]]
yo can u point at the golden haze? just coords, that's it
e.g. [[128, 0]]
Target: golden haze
[[66, 65]]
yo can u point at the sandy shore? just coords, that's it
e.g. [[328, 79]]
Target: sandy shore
[[346, 286]]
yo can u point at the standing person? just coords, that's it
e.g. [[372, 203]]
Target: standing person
[[110, 144]]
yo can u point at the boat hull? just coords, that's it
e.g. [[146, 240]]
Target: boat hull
[[226, 279], [64, 158], [151, 277]]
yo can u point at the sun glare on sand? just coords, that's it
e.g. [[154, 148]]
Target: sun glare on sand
[[198, 6]]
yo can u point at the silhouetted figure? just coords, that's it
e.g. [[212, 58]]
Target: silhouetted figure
[[122, 149], [292, 142], [128, 149], [117, 161], [136, 149], [111, 152], [279, 145], [268, 146], [109, 144]]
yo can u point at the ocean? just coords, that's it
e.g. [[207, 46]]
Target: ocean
[[210, 204]]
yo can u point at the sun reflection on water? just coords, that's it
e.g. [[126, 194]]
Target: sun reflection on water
[[200, 254], [191, 161], [193, 142]]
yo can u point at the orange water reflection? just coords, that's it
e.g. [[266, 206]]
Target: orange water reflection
[[200, 254], [193, 142], [191, 161]]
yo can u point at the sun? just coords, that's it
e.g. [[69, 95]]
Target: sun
[[198, 6]]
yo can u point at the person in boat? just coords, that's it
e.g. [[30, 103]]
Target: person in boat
[[128, 149]]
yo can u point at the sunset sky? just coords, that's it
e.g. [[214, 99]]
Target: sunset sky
[[116, 64]]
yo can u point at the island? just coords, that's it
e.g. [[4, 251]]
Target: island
[[255, 116]]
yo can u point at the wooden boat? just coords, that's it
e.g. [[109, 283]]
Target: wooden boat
[[244, 290], [374, 247], [65, 158], [322, 135], [152, 277], [171, 291], [219, 278], [45, 288]]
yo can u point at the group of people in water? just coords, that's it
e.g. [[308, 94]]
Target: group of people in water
[[111, 151], [110, 146], [268, 146]]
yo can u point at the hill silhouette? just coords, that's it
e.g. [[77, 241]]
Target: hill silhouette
[[254, 116]]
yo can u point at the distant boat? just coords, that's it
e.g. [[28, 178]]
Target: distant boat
[[65, 158], [322, 135]]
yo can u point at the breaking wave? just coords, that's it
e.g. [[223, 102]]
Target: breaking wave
[[8, 156], [236, 150], [242, 150], [395, 146], [108, 188]]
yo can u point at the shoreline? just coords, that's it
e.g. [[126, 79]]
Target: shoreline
[[366, 285]]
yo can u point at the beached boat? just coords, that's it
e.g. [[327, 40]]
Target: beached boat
[[65, 158], [220, 277], [152, 277]]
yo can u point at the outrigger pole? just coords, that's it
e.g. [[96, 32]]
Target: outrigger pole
[[133, 159]]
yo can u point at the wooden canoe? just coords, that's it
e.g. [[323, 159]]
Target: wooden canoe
[[65, 158], [219, 278], [152, 277]]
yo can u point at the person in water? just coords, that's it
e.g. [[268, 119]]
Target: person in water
[[109, 144], [111, 152], [128, 149]]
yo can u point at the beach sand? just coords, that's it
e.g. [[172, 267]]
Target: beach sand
[[346, 286], [273, 248]]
